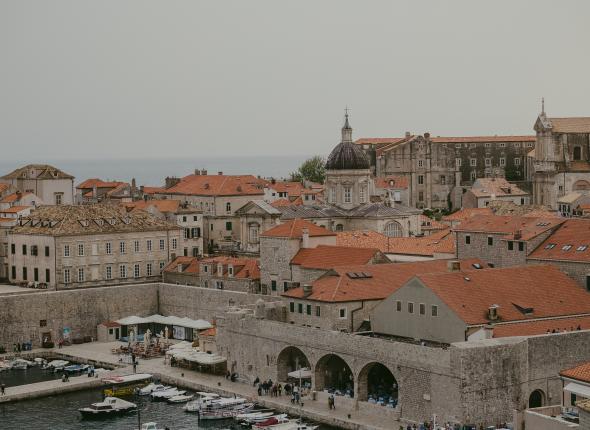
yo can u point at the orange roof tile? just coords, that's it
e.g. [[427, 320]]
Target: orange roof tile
[[244, 268], [378, 140], [14, 197], [3, 187], [15, 209], [580, 373], [281, 203], [483, 139], [153, 190], [327, 256], [392, 181], [293, 229], [465, 213], [98, 183], [528, 227], [545, 289], [293, 189], [498, 187], [571, 125], [163, 205], [385, 279], [209, 332], [218, 185], [532, 328], [570, 242], [431, 224]]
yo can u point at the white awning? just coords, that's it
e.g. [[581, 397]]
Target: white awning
[[301, 373], [169, 321], [578, 389]]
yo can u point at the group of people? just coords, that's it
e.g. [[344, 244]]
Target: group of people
[[565, 330], [276, 389], [447, 426]]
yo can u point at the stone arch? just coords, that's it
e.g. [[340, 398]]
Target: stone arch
[[581, 185], [332, 372], [376, 381], [537, 399], [393, 229], [288, 360]]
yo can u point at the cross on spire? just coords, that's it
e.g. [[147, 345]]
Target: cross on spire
[[543, 105]]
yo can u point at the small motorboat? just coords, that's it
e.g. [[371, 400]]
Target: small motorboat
[[214, 403], [274, 424], [110, 406], [166, 394], [21, 364], [224, 413], [150, 426], [55, 364], [251, 416], [39, 361], [76, 368], [181, 398], [151, 388]]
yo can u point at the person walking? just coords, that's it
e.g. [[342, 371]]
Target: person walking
[[134, 366], [2, 388]]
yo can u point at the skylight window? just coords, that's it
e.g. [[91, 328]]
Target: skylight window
[[566, 247], [582, 248], [550, 246]]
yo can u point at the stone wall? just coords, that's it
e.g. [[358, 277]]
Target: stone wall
[[578, 271]]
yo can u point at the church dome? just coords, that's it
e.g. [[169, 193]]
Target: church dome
[[347, 155]]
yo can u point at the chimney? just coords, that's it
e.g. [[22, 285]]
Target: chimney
[[204, 172], [307, 290], [197, 172], [305, 238], [94, 191], [518, 234], [454, 266], [493, 312], [488, 331], [426, 135], [220, 173], [408, 134], [170, 181]]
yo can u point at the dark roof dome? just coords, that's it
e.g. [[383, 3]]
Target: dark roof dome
[[347, 155]]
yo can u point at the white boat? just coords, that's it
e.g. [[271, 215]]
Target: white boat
[[4, 365], [21, 364], [214, 403], [251, 416], [150, 426], [76, 368], [151, 388], [55, 364], [224, 413], [288, 425], [108, 407], [181, 398], [39, 361], [166, 394]]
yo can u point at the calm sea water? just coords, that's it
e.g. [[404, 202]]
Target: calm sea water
[[150, 171], [29, 376]]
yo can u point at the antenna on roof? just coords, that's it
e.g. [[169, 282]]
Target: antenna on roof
[[542, 105]]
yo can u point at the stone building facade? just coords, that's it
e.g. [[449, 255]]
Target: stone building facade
[[561, 159], [90, 245], [52, 185]]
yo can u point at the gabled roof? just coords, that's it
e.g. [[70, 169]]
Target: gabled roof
[[15, 209], [382, 280], [509, 226], [293, 229], [545, 289], [293, 189], [14, 197], [483, 139], [431, 224], [281, 203], [163, 205], [218, 185], [570, 242], [261, 204], [580, 373], [243, 268], [37, 171], [570, 125], [378, 140], [328, 256], [466, 213], [153, 190], [98, 183], [498, 187], [542, 326]]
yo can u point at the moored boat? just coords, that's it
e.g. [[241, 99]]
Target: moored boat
[[181, 398], [150, 426], [273, 424], [166, 394], [214, 403], [110, 406], [125, 385], [21, 364], [224, 413], [151, 388]]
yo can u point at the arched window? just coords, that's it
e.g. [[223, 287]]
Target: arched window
[[393, 229], [536, 399], [577, 152], [581, 185]]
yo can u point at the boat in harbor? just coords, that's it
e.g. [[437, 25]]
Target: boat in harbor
[[55, 365], [166, 394], [76, 368], [224, 413], [181, 398], [253, 416], [273, 424], [125, 385], [151, 426], [20, 364], [212, 403], [110, 406], [151, 388]]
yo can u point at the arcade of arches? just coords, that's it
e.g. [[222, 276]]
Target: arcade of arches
[[375, 382]]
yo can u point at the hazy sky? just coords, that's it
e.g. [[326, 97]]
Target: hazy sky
[[191, 78]]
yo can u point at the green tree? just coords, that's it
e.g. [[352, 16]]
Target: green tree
[[313, 169]]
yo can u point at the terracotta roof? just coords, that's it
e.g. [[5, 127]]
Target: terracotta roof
[[545, 289], [378, 140], [327, 256], [72, 220], [580, 373], [532, 328], [483, 139], [98, 183], [15, 209], [385, 182], [385, 279], [431, 224], [571, 242], [209, 332], [500, 187], [7, 220], [3, 187], [293, 189], [281, 203], [218, 185], [14, 197], [37, 171], [163, 205], [244, 268], [293, 229], [571, 125], [509, 226], [110, 324], [153, 190], [505, 207], [466, 213]]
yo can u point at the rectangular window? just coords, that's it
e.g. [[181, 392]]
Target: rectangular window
[[420, 179], [47, 275], [292, 306], [285, 286], [136, 246], [122, 271], [162, 266], [332, 195], [361, 194], [420, 163], [457, 162], [521, 246], [46, 251], [300, 308], [109, 248], [342, 312], [228, 225], [473, 162], [434, 310], [510, 245], [410, 307], [488, 162], [13, 272], [36, 274], [228, 207], [502, 161], [136, 271], [81, 274], [34, 250], [42, 323], [122, 247], [422, 309], [174, 243], [420, 196], [443, 180], [347, 195], [67, 276], [195, 251], [398, 306], [490, 241], [12, 248], [308, 309], [317, 311], [195, 218], [24, 273], [467, 239], [473, 175], [149, 269], [80, 250], [162, 244], [148, 245], [517, 161], [24, 249], [273, 285], [109, 272]]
